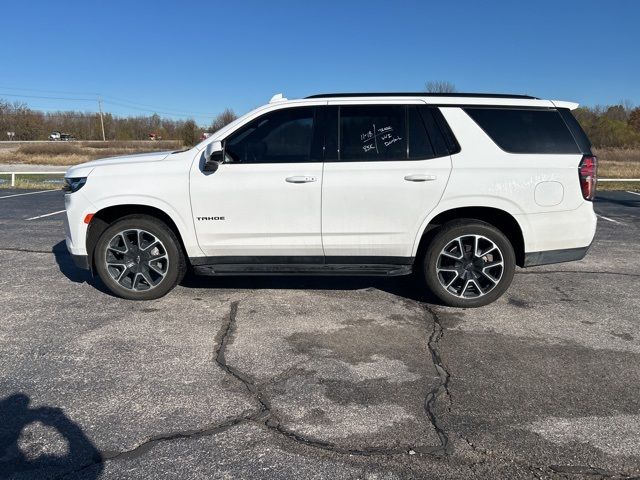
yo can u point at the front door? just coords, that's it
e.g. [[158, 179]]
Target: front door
[[264, 200]]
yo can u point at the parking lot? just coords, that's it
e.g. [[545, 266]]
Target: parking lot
[[280, 377]]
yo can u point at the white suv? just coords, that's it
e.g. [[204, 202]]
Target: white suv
[[458, 187]]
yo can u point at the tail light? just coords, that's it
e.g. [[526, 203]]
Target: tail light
[[588, 172]]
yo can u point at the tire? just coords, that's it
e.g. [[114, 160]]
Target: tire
[[460, 277], [138, 257]]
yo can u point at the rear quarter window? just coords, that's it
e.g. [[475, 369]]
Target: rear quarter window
[[521, 130], [578, 133]]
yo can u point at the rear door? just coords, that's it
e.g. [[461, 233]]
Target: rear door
[[389, 171]]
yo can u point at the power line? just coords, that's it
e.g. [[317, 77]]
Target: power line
[[21, 89], [88, 115], [116, 101], [130, 103], [151, 110], [48, 97]]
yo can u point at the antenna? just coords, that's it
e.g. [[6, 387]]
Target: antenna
[[278, 97]]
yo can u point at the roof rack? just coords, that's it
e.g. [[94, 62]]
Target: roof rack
[[424, 94]]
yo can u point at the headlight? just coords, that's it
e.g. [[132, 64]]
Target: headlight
[[73, 184]]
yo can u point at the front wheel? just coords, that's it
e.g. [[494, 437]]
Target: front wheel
[[139, 258], [469, 263]]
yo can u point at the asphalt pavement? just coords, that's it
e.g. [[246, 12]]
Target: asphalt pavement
[[317, 377]]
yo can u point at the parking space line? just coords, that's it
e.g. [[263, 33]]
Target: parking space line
[[45, 215], [29, 193], [610, 219], [633, 193]]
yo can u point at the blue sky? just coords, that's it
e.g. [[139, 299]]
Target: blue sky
[[196, 58]]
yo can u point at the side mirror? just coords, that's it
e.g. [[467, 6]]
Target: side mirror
[[213, 156]]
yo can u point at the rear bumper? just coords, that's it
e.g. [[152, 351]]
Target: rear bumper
[[547, 257], [557, 231], [81, 261]]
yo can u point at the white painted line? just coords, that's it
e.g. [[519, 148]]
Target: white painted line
[[633, 193], [46, 215], [610, 219], [29, 193]]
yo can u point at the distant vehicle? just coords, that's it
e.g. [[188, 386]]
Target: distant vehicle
[[460, 188], [154, 136], [205, 135], [64, 137]]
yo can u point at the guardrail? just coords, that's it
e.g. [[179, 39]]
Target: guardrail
[[14, 174], [618, 180], [13, 177]]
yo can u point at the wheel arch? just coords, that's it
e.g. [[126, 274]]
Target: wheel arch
[[106, 216], [500, 219]]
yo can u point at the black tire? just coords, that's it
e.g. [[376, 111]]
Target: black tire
[[472, 274], [173, 270]]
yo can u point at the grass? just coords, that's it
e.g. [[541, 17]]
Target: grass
[[626, 186], [73, 153], [39, 182], [618, 162]]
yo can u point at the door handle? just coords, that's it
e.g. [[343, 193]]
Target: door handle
[[301, 179], [419, 177]]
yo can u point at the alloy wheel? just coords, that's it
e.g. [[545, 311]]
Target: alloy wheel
[[470, 266], [136, 259]]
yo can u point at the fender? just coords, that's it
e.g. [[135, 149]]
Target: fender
[[499, 203], [184, 226]]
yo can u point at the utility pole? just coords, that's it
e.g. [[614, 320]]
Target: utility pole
[[101, 118]]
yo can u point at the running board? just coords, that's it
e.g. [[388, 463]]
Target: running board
[[303, 269]]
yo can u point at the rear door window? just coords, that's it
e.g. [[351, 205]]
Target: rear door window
[[420, 146], [442, 145], [372, 133], [522, 130]]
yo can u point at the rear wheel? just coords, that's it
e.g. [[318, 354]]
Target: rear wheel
[[469, 263], [139, 258]]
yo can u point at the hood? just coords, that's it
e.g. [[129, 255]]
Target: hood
[[84, 169]]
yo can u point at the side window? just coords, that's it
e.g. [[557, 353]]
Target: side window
[[451, 144], [429, 134], [282, 136], [521, 130], [578, 133], [420, 146], [372, 132]]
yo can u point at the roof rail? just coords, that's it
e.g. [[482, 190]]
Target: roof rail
[[423, 94]]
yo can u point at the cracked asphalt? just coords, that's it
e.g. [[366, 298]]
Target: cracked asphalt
[[310, 377]]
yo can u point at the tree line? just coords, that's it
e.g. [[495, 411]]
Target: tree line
[[29, 124], [606, 126], [611, 126]]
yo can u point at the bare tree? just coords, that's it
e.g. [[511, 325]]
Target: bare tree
[[223, 119], [440, 86], [189, 133]]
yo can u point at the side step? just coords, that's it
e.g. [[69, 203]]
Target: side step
[[303, 269]]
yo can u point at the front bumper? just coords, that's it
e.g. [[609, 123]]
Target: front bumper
[[77, 207]]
